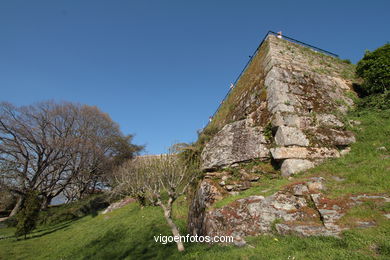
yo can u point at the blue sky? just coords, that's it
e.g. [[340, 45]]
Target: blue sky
[[160, 68]]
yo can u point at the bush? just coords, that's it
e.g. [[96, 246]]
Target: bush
[[28, 216], [374, 68], [376, 101], [57, 214], [347, 61]]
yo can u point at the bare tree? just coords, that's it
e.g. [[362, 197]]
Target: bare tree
[[48, 147], [154, 177]]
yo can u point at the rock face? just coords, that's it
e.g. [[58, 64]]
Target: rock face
[[301, 209], [300, 94], [236, 142], [288, 136], [291, 166], [206, 194]]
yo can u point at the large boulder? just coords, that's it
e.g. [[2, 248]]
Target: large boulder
[[288, 136], [236, 142], [206, 194], [299, 209], [291, 166]]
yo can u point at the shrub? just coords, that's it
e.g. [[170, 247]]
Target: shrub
[[347, 61], [376, 101], [28, 216], [374, 68]]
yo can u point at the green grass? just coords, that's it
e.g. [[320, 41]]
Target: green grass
[[128, 233], [124, 233], [366, 169]]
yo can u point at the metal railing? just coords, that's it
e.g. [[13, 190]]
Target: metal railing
[[254, 54]]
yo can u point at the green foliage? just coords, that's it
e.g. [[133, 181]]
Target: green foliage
[[190, 153], [374, 68], [268, 131], [348, 61], [73, 210], [375, 101], [28, 216]]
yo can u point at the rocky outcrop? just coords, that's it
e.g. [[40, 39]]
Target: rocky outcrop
[[291, 166], [298, 93], [206, 194], [288, 108], [299, 209], [236, 142]]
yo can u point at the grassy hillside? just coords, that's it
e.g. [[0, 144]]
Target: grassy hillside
[[128, 233]]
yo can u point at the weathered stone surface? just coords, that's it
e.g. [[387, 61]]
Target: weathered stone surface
[[291, 96], [292, 120], [249, 177], [345, 151], [291, 166], [118, 205], [206, 194], [288, 136], [300, 190], [305, 230], [303, 153], [329, 120], [293, 207], [253, 215], [278, 97], [335, 137], [316, 184], [238, 186], [236, 142]]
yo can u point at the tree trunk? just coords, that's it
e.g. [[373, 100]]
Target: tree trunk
[[17, 206], [172, 225], [46, 201]]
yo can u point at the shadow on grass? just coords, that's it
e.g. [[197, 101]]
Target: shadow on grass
[[43, 232], [123, 244], [50, 230]]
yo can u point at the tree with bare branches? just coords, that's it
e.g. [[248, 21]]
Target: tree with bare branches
[[49, 147], [160, 179]]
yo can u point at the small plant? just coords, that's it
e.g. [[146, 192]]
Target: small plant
[[263, 95], [340, 102], [314, 118], [268, 132], [274, 223], [287, 103]]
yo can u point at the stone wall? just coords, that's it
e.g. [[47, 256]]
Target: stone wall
[[288, 107], [298, 93]]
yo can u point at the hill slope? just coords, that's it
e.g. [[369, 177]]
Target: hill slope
[[128, 233]]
